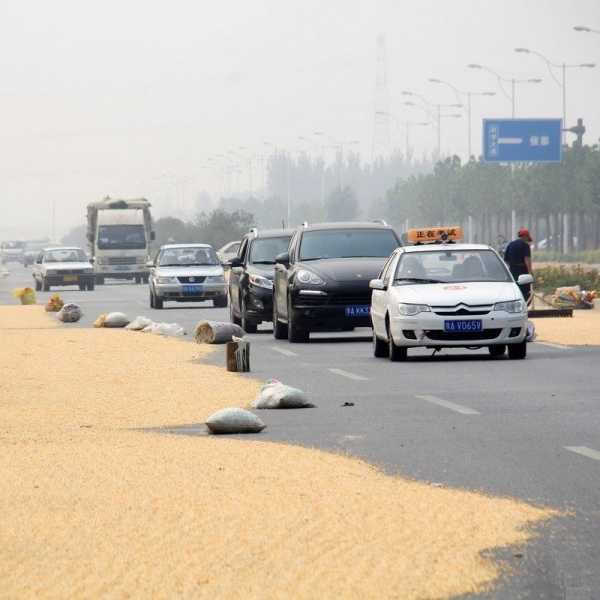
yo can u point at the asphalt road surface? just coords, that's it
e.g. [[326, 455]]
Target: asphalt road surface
[[528, 429]]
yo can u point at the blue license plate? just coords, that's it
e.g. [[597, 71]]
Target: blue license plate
[[192, 290], [461, 325], [358, 311]]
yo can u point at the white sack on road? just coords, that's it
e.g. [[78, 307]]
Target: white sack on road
[[275, 394], [116, 319], [138, 323], [234, 420], [69, 313]]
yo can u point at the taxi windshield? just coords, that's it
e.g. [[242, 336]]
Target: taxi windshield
[[450, 266], [65, 255], [192, 256]]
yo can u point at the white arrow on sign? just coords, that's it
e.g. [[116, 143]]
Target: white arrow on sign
[[510, 140]]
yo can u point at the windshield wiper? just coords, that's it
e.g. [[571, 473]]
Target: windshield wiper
[[419, 280], [313, 258], [263, 262]]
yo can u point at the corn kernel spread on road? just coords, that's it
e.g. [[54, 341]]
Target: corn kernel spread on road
[[92, 506]]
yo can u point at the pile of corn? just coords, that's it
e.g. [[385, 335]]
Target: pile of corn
[[54, 304], [573, 297]]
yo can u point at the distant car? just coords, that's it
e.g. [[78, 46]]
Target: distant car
[[13, 251], [322, 282], [251, 277], [228, 251], [444, 294], [187, 273], [65, 265]]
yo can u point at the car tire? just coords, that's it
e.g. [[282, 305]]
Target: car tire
[[296, 335], [247, 324], [91, 285], [138, 280], [497, 350], [396, 353], [145, 278], [517, 351], [45, 285], [151, 299], [220, 301], [235, 320], [158, 302], [280, 329], [380, 347], [38, 285], [82, 287]]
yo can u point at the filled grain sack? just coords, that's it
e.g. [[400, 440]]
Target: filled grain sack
[[54, 304], [116, 319], [167, 329], [216, 332], [138, 324], [69, 313], [275, 394], [234, 420]]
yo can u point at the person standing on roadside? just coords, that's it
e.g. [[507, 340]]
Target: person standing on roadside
[[518, 258]]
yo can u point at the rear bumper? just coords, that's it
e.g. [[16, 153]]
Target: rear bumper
[[121, 271], [175, 292], [59, 280]]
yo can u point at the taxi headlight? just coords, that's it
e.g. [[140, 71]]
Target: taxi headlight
[[260, 281], [166, 280], [410, 310], [513, 306], [305, 276]]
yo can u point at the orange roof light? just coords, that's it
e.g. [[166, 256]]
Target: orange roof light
[[429, 235]]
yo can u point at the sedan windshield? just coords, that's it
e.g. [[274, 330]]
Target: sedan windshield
[[191, 257], [264, 251], [347, 243], [450, 266], [66, 255]]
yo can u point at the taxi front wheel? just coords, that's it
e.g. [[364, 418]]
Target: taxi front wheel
[[396, 353]]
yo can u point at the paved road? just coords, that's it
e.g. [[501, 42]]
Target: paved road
[[528, 429]]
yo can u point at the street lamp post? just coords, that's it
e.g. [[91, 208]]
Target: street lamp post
[[513, 82], [437, 115], [469, 95], [563, 86], [407, 126]]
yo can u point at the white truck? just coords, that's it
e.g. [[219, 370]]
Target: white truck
[[119, 232]]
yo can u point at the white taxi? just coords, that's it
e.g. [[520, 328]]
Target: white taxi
[[439, 293]]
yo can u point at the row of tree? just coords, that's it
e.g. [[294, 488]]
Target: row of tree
[[559, 202]]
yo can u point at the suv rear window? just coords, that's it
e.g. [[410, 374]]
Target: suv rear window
[[347, 243]]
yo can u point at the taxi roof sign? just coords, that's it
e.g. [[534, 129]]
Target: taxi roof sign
[[434, 235]]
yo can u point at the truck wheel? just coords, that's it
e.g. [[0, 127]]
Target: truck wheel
[[38, 285], [145, 278], [90, 285], [82, 286], [45, 285], [138, 280]]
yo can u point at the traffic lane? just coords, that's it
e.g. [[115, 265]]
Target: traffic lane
[[115, 295]]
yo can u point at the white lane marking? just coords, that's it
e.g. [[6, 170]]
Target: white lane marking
[[348, 375], [584, 451], [459, 408], [556, 346], [283, 351]]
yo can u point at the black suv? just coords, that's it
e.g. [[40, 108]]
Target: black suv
[[322, 282], [251, 277]]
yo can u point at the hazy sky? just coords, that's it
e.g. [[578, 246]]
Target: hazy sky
[[132, 98]]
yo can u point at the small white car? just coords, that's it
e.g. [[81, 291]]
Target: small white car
[[65, 265], [448, 295], [187, 273]]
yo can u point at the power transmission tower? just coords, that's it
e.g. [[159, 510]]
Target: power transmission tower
[[381, 104]]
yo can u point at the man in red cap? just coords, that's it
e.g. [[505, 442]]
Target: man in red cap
[[518, 258]]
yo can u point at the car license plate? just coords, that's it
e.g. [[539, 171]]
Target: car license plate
[[192, 290], [462, 325], [358, 311], [70, 278], [121, 268]]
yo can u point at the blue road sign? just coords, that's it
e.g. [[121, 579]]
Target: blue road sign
[[522, 140]]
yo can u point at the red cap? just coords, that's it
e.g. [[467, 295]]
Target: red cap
[[524, 232]]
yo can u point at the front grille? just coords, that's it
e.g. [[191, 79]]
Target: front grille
[[68, 272], [122, 260], [192, 279], [460, 336], [461, 312], [311, 300], [358, 298]]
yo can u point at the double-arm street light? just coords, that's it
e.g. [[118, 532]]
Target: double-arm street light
[[407, 126], [437, 114], [461, 93], [512, 80], [562, 85]]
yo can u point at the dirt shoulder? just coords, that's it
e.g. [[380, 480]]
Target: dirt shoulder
[[583, 329], [94, 507]]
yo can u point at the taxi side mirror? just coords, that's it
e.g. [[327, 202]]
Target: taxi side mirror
[[377, 284], [283, 259], [236, 261], [525, 279]]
